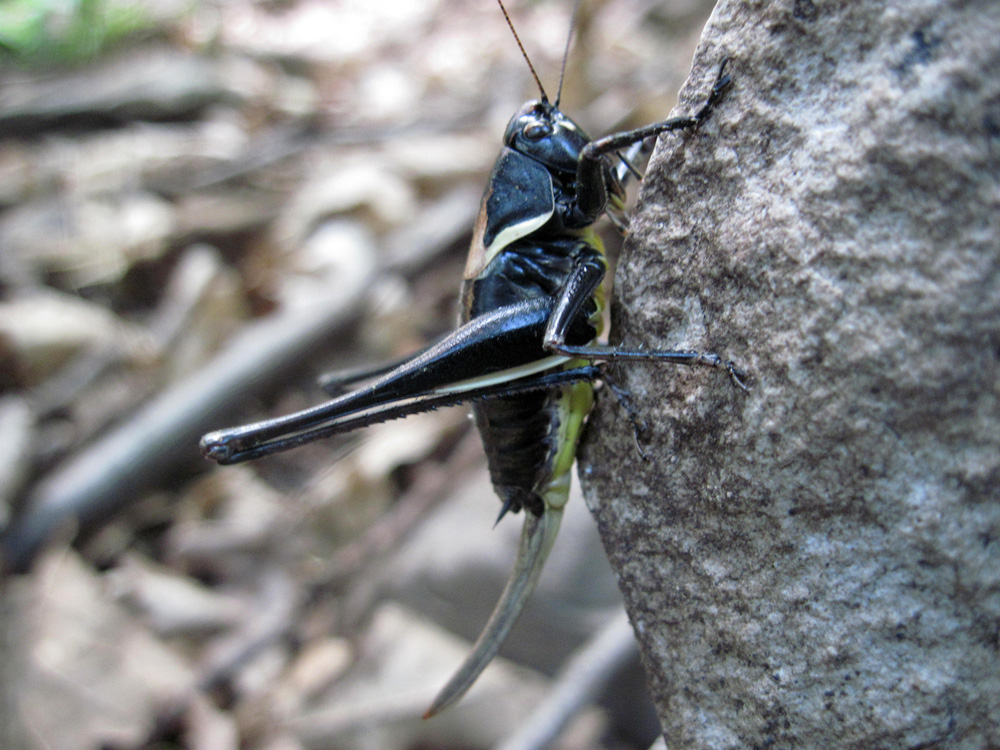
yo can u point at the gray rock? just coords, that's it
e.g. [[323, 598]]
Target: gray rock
[[817, 564]]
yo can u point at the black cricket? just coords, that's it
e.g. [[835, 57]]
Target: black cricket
[[527, 351]]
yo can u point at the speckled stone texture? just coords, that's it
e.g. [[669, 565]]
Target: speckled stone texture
[[817, 564]]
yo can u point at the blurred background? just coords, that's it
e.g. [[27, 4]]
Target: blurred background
[[204, 207]]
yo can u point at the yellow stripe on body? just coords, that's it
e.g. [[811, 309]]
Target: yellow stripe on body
[[505, 376]]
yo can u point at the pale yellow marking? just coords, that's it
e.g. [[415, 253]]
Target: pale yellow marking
[[504, 376]]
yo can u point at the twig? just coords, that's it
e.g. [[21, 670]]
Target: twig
[[576, 686], [429, 487], [113, 471]]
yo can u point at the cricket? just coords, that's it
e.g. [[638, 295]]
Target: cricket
[[528, 349]]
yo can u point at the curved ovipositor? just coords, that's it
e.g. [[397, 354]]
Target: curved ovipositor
[[537, 537]]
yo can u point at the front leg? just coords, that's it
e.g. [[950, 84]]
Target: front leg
[[616, 141], [591, 189]]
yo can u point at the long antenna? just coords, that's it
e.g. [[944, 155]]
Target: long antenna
[[545, 97], [569, 38]]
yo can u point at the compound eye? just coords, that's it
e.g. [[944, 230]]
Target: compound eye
[[535, 130]]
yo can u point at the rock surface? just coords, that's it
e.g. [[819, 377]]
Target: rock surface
[[817, 564]]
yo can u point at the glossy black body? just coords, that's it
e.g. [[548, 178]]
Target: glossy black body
[[534, 182]]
